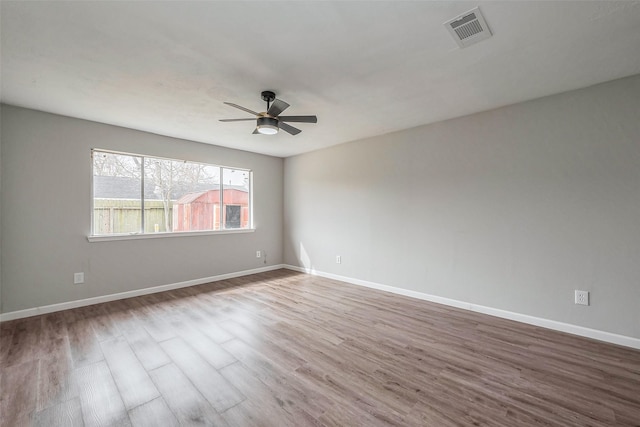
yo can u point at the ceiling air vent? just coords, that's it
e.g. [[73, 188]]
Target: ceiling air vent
[[468, 28]]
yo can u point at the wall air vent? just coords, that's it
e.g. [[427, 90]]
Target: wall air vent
[[468, 28]]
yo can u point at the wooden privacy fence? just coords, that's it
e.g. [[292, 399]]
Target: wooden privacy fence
[[123, 216]]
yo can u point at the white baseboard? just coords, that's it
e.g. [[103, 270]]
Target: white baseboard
[[129, 294], [524, 318]]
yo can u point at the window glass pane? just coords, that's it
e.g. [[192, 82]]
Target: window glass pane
[[235, 198], [117, 193], [181, 196], [140, 194]]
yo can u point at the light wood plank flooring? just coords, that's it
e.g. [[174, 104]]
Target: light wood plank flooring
[[289, 349]]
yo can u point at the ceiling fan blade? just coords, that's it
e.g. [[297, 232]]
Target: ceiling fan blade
[[242, 108], [236, 120], [287, 128], [255, 132], [277, 107], [299, 119]]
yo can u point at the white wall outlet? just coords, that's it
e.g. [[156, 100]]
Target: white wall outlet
[[582, 297], [338, 259], [258, 254], [78, 278]]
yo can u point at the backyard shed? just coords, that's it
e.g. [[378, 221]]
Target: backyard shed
[[201, 210]]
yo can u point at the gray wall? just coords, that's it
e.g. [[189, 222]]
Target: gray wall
[[46, 168], [1, 213], [512, 208]]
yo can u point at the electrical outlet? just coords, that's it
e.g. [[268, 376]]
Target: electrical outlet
[[582, 297], [338, 259], [78, 278], [258, 254]]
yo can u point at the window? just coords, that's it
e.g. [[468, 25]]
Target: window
[[135, 194]]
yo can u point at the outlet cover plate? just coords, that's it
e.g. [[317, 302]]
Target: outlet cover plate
[[258, 254], [582, 297], [78, 278]]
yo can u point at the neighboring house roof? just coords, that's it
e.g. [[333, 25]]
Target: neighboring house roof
[[114, 187]]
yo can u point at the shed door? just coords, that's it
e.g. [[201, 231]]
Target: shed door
[[232, 216]]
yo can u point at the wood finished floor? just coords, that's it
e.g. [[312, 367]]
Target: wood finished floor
[[288, 349]]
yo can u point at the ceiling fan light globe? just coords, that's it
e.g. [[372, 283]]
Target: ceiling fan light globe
[[267, 126], [267, 130]]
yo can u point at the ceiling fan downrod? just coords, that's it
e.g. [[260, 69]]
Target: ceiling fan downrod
[[268, 96]]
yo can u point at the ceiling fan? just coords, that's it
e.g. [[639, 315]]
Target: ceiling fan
[[269, 122]]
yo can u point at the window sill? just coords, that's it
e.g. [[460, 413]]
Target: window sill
[[112, 237]]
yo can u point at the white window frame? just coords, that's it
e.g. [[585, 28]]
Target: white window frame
[[165, 234]]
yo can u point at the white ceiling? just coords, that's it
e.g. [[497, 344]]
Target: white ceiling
[[364, 68]]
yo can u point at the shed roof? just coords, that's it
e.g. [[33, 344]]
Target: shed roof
[[193, 196]]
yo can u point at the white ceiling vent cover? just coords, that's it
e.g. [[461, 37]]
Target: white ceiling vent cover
[[468, 28]]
